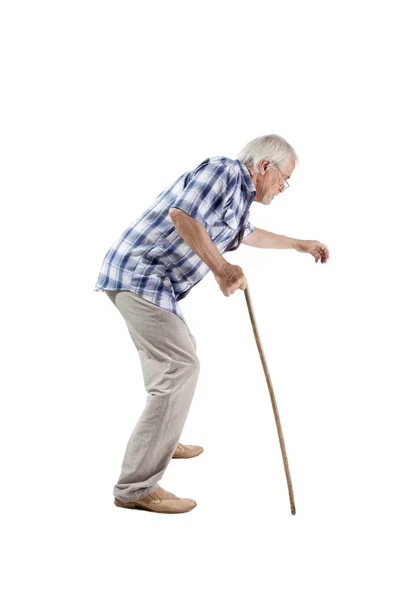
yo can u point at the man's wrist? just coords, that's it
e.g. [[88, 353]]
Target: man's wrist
[[220, 267]]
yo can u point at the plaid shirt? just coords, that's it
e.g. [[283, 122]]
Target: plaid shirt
[[151, 259]]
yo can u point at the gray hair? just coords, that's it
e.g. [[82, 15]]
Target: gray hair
[[271, 147]]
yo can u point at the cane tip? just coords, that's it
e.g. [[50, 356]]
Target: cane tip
[[293, 510]]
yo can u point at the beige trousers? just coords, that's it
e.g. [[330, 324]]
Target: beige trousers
[[170, 366]]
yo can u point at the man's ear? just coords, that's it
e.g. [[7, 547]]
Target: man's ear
[[266, 163]]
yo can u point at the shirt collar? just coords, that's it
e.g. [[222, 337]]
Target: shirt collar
[[247, 178]]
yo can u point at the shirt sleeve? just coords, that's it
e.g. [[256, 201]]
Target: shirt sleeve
[[248, 229], [207, 192]]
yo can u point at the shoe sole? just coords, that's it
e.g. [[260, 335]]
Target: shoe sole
[[194, 455], [135, 505]]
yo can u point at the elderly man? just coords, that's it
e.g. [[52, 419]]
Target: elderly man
[[154, 263]]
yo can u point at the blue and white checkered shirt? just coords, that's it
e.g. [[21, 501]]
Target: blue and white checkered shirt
[[151, 259]]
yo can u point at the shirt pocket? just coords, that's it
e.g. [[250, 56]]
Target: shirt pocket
[[224, 228], [229, 217]]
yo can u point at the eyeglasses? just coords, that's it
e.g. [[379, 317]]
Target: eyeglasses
[[285, 180]]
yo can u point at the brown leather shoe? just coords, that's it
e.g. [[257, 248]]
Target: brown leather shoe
[[160, 501], [183, 451]]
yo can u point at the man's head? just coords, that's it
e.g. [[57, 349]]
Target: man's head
[[270, 161]]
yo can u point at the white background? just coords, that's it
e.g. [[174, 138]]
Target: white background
[[104, 104]]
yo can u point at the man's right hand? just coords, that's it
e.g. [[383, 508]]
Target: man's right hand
[[230, 278]]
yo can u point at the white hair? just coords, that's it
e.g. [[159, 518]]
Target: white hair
[[271, 147]]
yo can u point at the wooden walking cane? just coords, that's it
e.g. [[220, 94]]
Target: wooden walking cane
[[274, 406]]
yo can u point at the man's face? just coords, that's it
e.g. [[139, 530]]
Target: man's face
[[270, 182]]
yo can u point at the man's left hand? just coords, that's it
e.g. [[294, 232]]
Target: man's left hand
[[318, 250]]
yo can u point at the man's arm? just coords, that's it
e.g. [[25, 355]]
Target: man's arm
[[196, 236], [265, 239], [260, 238], [229, 277]]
